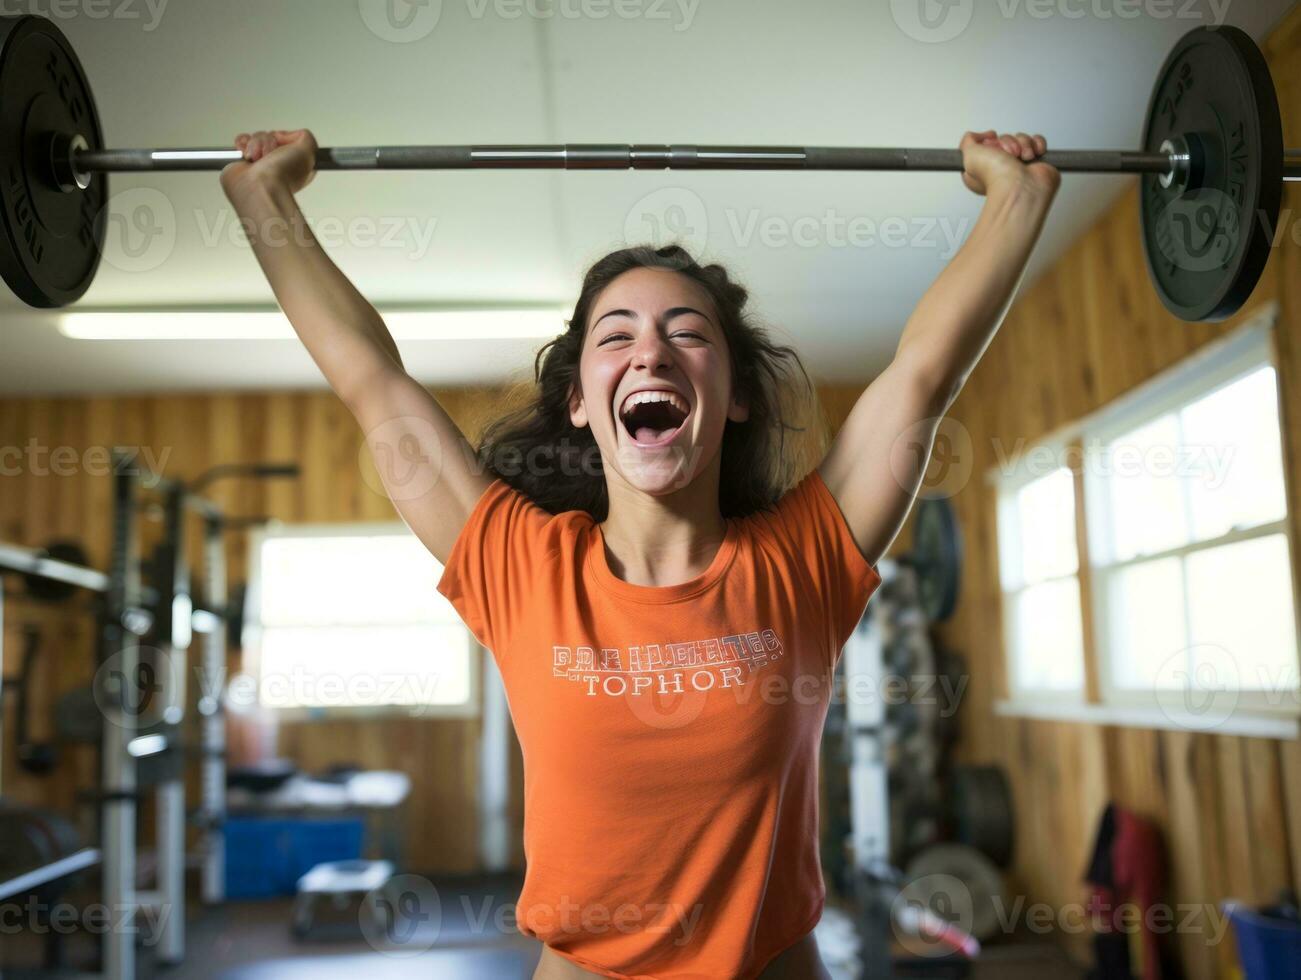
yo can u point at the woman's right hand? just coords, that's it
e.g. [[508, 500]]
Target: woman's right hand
[[284, 157]]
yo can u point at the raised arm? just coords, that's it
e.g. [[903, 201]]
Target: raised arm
[[420, 454], [877, 460]]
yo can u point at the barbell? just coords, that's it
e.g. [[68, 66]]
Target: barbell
[[1211, 167]]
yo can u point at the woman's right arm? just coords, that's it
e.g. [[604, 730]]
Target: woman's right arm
[[427, 466]]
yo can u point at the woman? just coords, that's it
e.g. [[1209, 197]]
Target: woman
[[666, 610]]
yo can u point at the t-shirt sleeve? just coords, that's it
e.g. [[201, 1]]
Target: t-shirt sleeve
[[820, 541], [488, 573]]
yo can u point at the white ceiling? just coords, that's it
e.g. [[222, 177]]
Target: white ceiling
[[192, 73]]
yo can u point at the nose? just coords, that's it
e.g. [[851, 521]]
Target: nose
[[651, 352]]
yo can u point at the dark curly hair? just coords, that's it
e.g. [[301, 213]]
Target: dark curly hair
[[537, 449]]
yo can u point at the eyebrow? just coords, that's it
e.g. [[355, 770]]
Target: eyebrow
[[668, 314]]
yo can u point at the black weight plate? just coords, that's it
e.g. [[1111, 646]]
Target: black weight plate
[[51, 241], [936, 557], [77, 717], [52, 590], [982, 815], [1206, 247]]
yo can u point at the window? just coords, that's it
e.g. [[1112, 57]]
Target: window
[[1189, 588], [350, 618], [1041, 587]]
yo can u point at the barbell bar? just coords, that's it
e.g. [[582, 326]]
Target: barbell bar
[[78, 165], [1211, 167]]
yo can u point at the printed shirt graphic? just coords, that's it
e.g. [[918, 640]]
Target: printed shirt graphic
[[670, 734]]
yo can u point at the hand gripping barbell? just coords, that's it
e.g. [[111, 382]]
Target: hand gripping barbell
[[1211, 167]]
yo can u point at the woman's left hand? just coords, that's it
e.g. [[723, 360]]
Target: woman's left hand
[[991, 161]]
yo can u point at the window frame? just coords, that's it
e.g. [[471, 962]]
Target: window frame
[[251, 663], [1204, 371]]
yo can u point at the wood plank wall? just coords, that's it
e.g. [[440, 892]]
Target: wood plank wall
[[1230, 807], [186, 434], [45, 496]]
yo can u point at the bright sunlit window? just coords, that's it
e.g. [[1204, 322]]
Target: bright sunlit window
[[1192, 567], [1184, 612], [1041, 586], [350, 617]]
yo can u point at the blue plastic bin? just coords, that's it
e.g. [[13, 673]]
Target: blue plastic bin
[[1269, 946], [266, 856]]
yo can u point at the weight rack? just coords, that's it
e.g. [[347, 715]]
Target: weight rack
[[126, 618]]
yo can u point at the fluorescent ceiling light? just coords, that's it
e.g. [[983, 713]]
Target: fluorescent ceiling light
[[494, 324]]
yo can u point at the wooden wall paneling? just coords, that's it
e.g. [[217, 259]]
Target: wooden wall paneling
[[1267, 824], [1290, 772]]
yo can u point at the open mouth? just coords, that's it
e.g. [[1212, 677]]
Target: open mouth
[[653, 418]]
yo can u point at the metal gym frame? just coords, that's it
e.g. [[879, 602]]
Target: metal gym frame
[[130, 612]]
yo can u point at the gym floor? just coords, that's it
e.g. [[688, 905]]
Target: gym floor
[[250, 941]]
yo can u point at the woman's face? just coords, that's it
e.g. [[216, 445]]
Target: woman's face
[[655, 380]]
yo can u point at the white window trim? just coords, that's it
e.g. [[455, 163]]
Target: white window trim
[[1213, 364], [252, 653], [1239, 722]]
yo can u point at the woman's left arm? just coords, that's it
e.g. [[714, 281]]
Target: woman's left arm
[[876, 463]]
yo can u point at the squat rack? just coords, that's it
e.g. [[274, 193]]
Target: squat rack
[[130, 612]]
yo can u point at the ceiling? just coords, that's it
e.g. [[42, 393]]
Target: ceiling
[[364, 72]]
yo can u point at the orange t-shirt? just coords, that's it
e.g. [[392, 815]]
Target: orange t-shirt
[[670, 734]]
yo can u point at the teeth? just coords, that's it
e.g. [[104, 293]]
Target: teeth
[[646, 397]]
